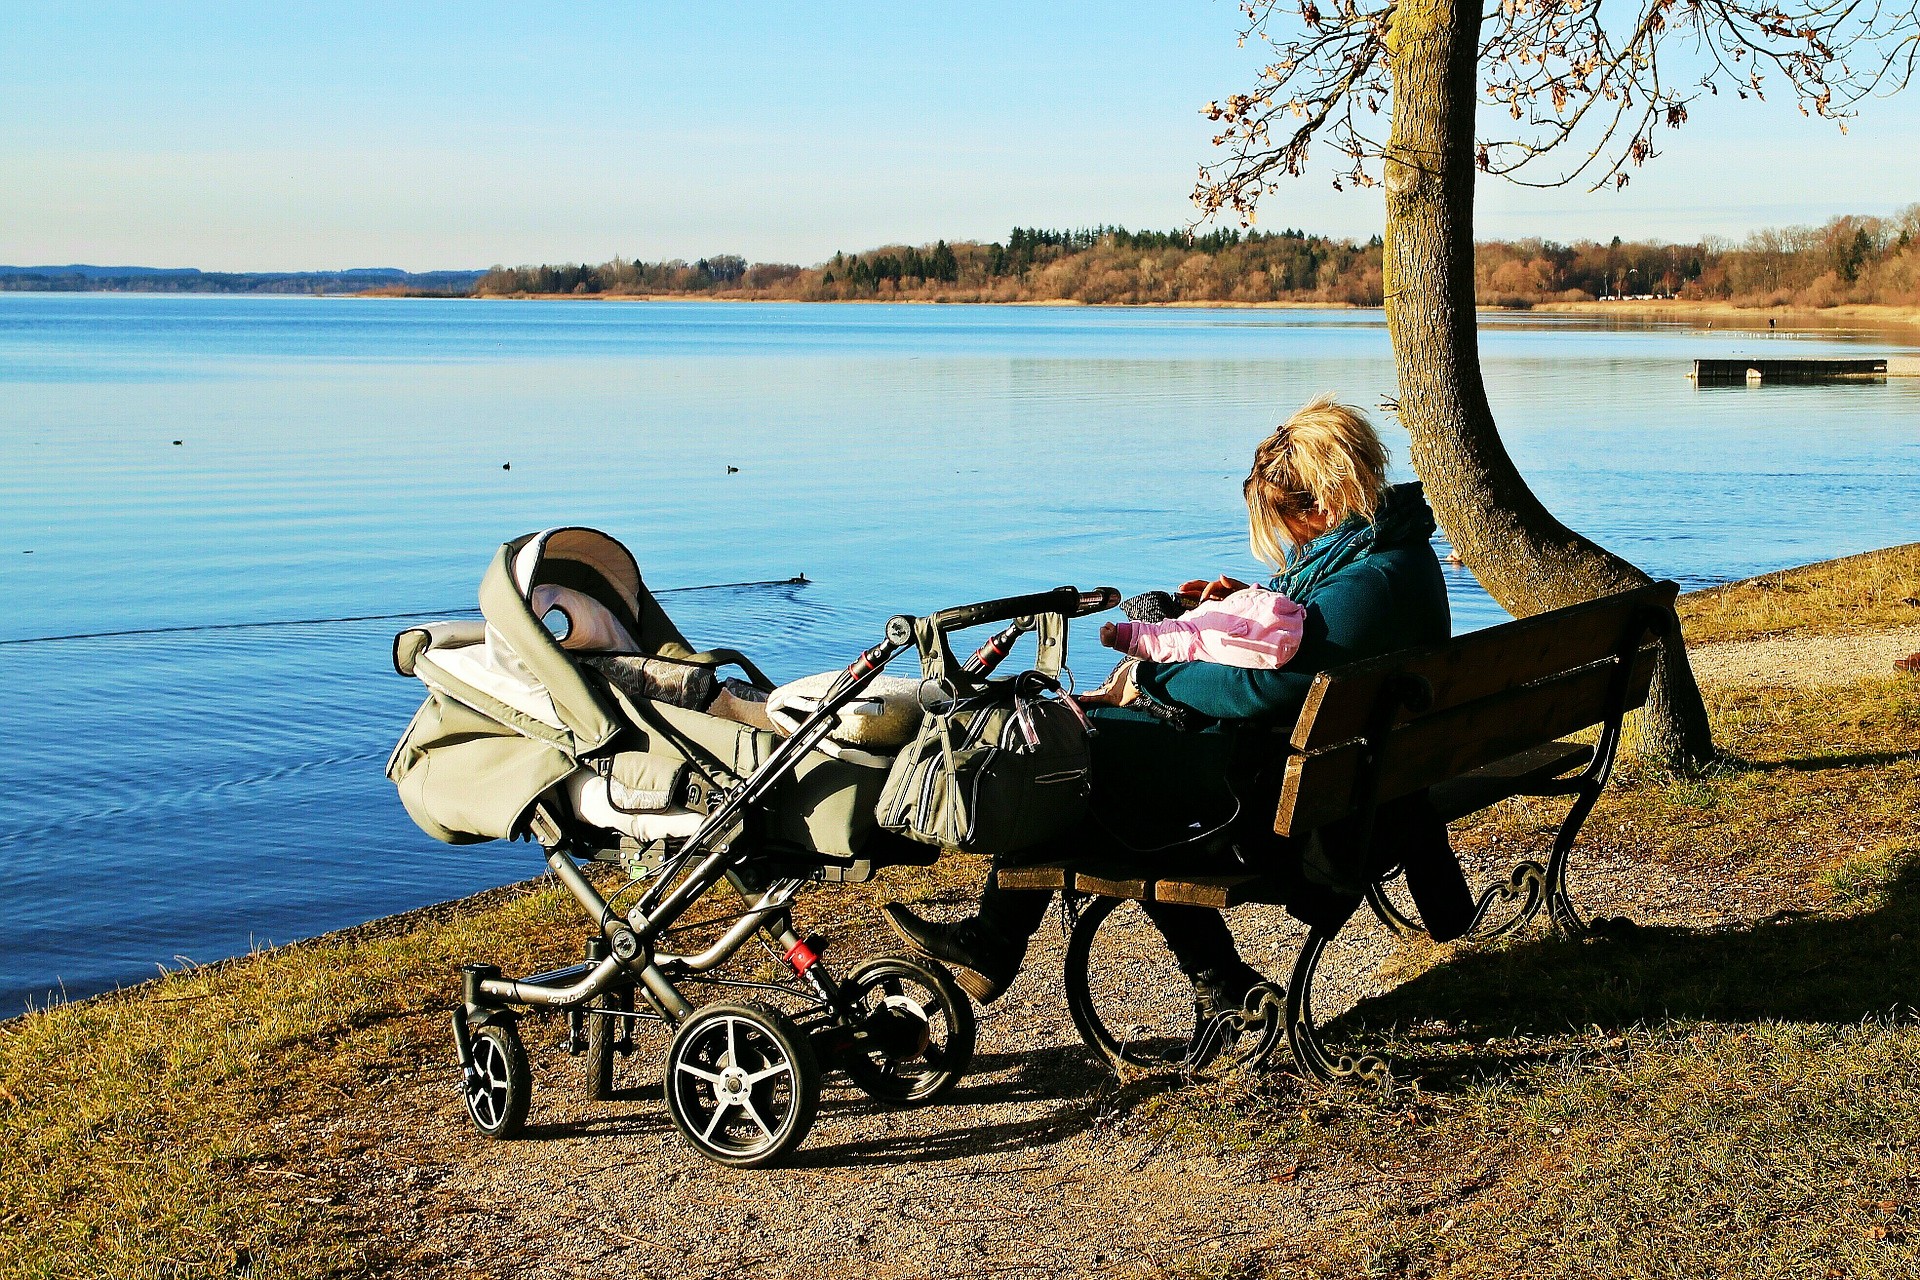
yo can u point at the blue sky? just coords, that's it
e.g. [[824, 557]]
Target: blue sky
[[254, 137]]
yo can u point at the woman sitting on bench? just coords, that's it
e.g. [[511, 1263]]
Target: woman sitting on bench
[[1186, 761]]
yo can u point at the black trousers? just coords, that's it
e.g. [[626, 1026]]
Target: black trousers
[[1197, 936]]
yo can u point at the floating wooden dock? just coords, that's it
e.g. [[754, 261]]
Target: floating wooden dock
[[1738, 370]]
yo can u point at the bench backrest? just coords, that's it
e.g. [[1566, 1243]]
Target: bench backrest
[[1387, 727]]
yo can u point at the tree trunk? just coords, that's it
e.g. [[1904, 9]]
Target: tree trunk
[[1527, 560]]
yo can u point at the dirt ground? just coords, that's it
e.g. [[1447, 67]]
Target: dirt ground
[[1027, 1169], [1024, 1170]]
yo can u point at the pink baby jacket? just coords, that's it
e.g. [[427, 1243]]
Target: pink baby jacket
[[1253, 628]]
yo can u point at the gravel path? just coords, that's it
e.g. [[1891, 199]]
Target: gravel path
[[1810, 661]]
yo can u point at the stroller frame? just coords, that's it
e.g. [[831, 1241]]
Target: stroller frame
[[738, 1103]]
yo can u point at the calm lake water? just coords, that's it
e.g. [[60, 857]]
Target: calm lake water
[[199, 462]]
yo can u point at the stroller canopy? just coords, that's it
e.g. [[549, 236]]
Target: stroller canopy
[[592, 579]]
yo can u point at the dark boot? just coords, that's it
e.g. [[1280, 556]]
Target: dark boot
[[984, 961], [1223, 990], [1199, 940]]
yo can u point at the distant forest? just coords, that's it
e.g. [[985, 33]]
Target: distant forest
[[1848, 260]]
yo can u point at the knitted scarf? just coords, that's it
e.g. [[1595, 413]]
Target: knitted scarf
[[1402, 520]]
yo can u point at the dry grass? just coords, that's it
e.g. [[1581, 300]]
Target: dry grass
[[1815, 779], [1678, 1151], [1855, 593], [153, 1133], [182, 1128], [1673, 1102]]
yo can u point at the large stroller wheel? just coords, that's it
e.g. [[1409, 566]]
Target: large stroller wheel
[[500, 1083], [916, 1032], [1128, 998], [742, 1083]]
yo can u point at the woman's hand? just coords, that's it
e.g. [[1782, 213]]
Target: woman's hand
[[1199, 591], [1108, 632], [1118, 691]]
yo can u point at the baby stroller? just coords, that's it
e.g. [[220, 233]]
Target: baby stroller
[[558, 717]]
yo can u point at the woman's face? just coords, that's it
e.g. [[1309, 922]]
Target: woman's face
[[1304, 528]]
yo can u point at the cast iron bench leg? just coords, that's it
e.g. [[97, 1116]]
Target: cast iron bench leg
[[1233, 1040], [1303, 1036], [1560, 909]]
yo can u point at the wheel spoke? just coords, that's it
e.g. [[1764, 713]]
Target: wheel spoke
[[769, 1072], [733, 1048], [711, 1077], [746, 1105], [720, 1106]]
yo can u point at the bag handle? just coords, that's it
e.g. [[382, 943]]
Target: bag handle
[[731, 658], [939, 667]]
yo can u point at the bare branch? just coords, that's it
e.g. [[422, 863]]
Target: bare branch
[[1592, 81]]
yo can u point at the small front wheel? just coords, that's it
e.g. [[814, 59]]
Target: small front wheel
[[499, 1080], [915, 1037], [606, 1033], [742, 1083]]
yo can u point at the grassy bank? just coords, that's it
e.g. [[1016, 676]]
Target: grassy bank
[[1877, 590], [1740, 1099]]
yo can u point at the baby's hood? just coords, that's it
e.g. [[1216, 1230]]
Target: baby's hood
[[1270, 608]]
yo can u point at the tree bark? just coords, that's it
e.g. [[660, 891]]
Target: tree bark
[[1527, 560]]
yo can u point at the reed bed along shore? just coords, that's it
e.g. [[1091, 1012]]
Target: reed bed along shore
[[1725, 315]]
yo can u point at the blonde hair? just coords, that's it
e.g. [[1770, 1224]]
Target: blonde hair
[[1325, 458]]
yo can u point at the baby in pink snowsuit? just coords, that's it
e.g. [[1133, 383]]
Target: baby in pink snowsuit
[[1253, 627]]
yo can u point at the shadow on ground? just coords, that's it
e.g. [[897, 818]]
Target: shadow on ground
[[1796, 967]]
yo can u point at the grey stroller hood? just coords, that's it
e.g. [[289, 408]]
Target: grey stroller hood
[[511, 713], [522, 676]]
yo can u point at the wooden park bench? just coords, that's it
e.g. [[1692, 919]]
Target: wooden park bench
[[1479, 719]]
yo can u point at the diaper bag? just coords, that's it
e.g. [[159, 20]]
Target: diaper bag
[[998, 765]]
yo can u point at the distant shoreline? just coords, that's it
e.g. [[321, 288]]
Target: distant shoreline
[[890, 302], [1855, 316], [1732, 315], [1844, 316]]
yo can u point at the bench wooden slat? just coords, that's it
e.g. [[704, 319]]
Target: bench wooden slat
[[1218, 892], [1478, 665], [1041, 875], [1490, 784], [1323, 787], [1114, 881]]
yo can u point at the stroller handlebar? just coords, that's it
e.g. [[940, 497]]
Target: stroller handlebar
[[1068, 601]]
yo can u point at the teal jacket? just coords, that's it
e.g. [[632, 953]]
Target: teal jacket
[[1368, 590], [1392, 597]]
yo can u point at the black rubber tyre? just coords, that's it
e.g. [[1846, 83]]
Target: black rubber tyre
[[742, 1083], [603, 1032], [1156, 1025], [500, 1085], [919, 1031]]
